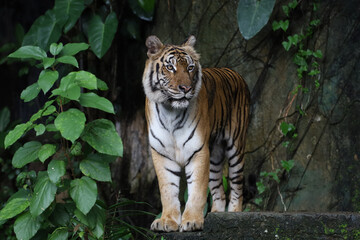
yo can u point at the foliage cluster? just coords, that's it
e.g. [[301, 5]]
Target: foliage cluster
[[62, 200], [252, 17]]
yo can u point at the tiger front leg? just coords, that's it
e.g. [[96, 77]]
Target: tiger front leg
[[168, 173], [197, 175]]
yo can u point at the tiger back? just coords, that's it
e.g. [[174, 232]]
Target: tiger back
[[196, 118]]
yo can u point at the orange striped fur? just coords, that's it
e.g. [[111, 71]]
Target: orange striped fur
[[196, 118]]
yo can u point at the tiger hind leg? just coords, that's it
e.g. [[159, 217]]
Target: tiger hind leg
[[236, 177], [215, 178]]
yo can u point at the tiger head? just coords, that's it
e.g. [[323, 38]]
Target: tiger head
[[172, 74]]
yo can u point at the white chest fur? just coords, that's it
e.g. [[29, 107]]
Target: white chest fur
[[173, 133]]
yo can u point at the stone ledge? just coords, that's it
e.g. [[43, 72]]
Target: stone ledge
[[272, 225]]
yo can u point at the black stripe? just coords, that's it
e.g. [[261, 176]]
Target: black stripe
[[215, 171], [158, 113], [213, 180], [195, 152], [216, 164], [191, 134], [217, 186], [161, 153], [176, 173], [152, 133]]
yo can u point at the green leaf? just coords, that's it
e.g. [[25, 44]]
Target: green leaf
[[55, 48], [260, 187], [30, 92], [287, 165], [46, 110], [47, 78], [32, 52], [71, 49], [45, 30], [102, 136], [85, 79], [284, 25], [48, 62], [4, 118], [95, 167], [68, 88], [143, 9], [84, 192], [68, 60], [56, 169], [286, 128], [39, 129], [70, 124], [102, 85], [69, 11], [102, 34], [16, 133], [46, 151], [94, 101], [286, 10], [286, 45], [318, 54], [252, 16], [26, 226], [44, 194], [15, 205], [26, 154], [96, 219], [60, 233]]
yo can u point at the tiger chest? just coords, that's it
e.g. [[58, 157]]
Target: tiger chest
[[174, 135]]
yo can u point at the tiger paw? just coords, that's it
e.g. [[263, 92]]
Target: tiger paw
[[188, 225], [164, 225]]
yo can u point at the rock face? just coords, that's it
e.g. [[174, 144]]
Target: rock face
[[326, 150], [251, 225]]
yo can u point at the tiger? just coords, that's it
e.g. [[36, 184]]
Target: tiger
[[195, 118]]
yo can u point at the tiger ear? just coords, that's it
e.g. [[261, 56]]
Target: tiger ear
[[190, 41], [153, 44]]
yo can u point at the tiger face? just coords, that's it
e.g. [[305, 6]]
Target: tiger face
[[172, 74]]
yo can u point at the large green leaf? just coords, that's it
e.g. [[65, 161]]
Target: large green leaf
[[4, 118], [94, 101], [32, 52], [68, 88], [44, 194], [84, 192], [85, 79], [70, 124], [45, 30], [102, 34], [95, 167], [46, 151], [60, 233], [56, 169], [101, 135], [143, 9], [71, 49], [69, 11], [47, 78], [30, 92], [95, 219], [15, 205], [68, 60], [252, 16], [16, 133], [26, 226], [26, 154]]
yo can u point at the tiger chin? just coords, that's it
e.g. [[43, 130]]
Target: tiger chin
[[196, 118]]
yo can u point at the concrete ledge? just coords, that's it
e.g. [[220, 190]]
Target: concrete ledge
[[271, 225]]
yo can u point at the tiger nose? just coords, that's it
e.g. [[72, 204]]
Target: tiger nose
[[184, 88]]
